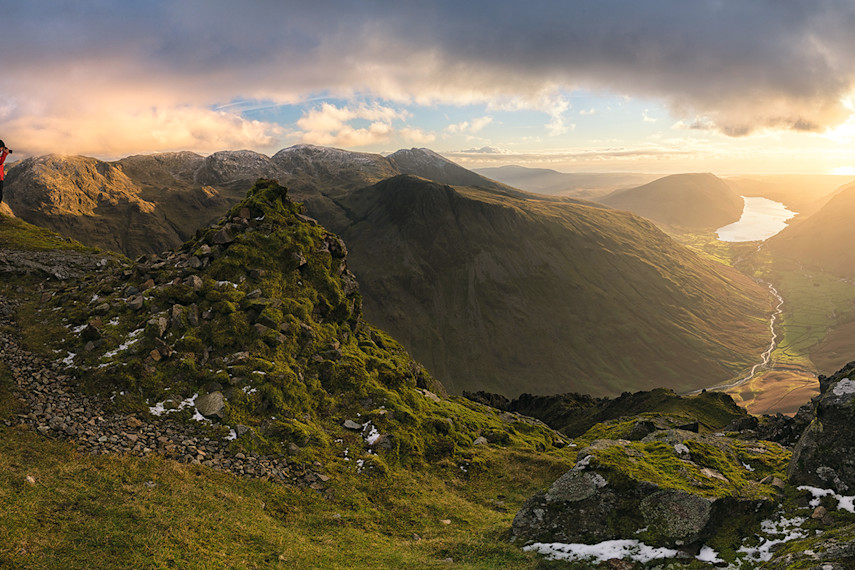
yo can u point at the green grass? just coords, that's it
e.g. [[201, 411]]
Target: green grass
[[19, 234], [132, 513]]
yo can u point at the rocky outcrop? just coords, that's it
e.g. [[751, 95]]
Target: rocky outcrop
[[825, 455], [673, 488]]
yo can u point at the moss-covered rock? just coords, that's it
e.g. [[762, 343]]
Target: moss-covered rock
[[672, 488]]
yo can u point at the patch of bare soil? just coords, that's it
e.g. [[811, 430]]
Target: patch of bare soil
[[775, 391]]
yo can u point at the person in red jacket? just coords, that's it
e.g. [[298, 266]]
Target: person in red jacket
[[4, 152]]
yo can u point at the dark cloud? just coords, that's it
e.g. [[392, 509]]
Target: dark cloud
[[737, 65]]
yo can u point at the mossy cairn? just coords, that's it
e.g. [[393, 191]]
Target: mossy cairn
[[262, 309]]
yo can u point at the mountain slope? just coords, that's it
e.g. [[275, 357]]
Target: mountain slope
[[512, 295], [696, 201], [824, 239]]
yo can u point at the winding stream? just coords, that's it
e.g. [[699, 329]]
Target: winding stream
[[767, 355]]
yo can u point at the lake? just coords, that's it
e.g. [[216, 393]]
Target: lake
[[761, 219]]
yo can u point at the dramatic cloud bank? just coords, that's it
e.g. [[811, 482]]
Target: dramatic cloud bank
[[111, 77]]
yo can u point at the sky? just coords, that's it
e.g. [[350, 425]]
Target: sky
[[660, 86]]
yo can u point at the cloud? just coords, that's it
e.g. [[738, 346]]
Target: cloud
[[487, 155], [738, 67], [416, 136], [112, 132], [473, 127], [483, 150], [697, 124], [330, 125]]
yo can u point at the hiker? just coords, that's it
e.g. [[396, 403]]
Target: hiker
[[4, 152]]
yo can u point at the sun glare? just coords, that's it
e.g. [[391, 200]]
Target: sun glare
[[844, 171]]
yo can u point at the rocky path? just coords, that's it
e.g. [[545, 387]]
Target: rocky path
[[55, 409]]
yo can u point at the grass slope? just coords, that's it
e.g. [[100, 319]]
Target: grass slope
[[61, 509], [822, 240]]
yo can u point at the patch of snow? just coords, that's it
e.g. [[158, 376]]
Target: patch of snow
[[69, 360], [232, 435], [221, 283], [709, 555], [596, 553], [158, 409], [133, 338], [78, 329], [372, 436], [847, 503], [748, 467], [844, 387], [114, 322], [786, 529]]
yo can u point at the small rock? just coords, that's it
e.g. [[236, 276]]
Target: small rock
[[223, 237], [480, 440], [194, 281], [350, 424], [713, 474], [211, 405]]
